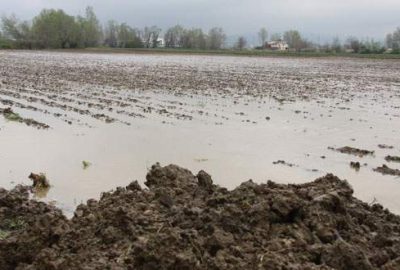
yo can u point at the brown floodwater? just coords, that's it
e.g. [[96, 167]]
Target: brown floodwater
[[233, 134]]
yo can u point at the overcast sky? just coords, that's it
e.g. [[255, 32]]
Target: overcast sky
[[316, 19]]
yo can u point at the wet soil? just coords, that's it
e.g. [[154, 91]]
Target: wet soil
[[231, 116], [183, 221], [355, 165], [384, 169], [384, 146], [353, 151], [392, 158], [52, 83]]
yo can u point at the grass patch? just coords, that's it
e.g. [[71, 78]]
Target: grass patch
[[231, 52]]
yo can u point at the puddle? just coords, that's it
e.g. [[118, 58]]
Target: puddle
[[233, 135]]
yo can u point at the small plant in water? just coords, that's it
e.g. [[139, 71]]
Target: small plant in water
[[86, 164], [11, 116], [39, 180]]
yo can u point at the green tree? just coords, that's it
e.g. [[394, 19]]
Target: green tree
[[18, 32], [55, 29], [128, 37], [371, 46]]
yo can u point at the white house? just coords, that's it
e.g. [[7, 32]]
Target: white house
[[277, 45], [160, 43]]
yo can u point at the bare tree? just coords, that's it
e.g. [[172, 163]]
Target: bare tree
[[294, 39], [276, 37], [393, 40], [111, 34], [150, 36], [263, 36], [216, 38], [173, 37], [241, 43], [389, 40], [15, 29], [354, 44], [90, 28], [336, 45]]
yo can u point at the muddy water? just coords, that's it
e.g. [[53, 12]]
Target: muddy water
[[233, 134]]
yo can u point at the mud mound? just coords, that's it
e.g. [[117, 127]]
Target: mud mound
[[185, 222], [26, 227]]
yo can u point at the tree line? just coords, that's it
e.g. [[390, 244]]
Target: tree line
[[54, 29]]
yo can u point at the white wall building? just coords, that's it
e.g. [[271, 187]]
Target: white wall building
[[278, 45]]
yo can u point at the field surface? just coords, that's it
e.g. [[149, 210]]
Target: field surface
[[92, 121]]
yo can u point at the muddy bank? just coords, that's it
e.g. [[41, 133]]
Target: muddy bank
[[184, 221]]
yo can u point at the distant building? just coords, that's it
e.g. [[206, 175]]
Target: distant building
[[160, 43], [277, 45]]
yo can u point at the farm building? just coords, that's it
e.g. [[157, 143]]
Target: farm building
[[278, 45]]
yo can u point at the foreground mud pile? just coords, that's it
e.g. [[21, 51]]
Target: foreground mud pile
[[185, 222]]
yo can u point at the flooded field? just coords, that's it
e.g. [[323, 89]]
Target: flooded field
[[102, 120]]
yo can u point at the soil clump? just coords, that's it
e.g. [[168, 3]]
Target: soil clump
[[183, 221]]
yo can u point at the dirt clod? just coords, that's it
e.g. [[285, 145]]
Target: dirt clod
[[386, 170], [39, 180], [392, 158], [185, 222], [352, 151], [282, 162], [385, 146], [355, 165]]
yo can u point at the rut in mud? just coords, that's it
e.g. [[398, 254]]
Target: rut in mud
[[184, 221]]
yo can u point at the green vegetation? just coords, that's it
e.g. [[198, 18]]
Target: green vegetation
[[12, 116], [54, 29], [86, 164], [234, 52], [39, 180]]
